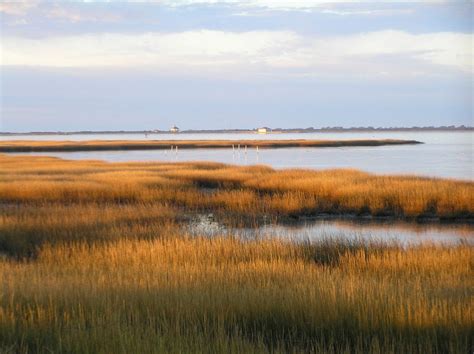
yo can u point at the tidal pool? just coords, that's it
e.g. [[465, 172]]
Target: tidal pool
[[316, 230]]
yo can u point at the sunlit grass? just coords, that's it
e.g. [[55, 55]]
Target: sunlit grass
[[95, 258], [94, 198], [257, 189], [208, 295]]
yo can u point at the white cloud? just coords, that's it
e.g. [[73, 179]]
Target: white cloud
[[18, 7], [75, 15], [286, 4], [395, 52], [21, 7], [355, 12], [75, 11], [64, 11], [194, 48]]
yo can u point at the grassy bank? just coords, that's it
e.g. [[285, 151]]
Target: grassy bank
[[249, 191], [110, 145], [95, 260]]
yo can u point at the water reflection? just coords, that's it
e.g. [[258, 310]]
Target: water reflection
[[401, 232]]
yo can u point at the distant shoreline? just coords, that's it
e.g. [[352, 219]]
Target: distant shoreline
[[252, 131], [111, 145]]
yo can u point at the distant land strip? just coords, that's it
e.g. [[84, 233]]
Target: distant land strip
[[111, 145], [449, 128]]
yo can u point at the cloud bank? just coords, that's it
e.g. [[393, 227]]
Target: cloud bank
[[382, 52]]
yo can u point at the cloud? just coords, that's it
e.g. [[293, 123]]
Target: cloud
[[72, 12], [193, 48], [366, 12], [287, 5], [75, 15], [285, 52], [21, 7], [17, 8]]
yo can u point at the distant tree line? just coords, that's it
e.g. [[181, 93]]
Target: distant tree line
[[275, 130]]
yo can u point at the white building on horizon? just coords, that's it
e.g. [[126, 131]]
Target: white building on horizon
[[174, 129]]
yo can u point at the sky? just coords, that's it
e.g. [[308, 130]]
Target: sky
[[210, 64]]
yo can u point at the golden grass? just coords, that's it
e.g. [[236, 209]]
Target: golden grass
[[224, 295], [96, 145], [254, 191], [95, 259]]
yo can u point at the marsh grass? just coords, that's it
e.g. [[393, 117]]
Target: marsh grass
[[253, 189], [113, 145], [226, 295], [95, 260], [94, 199]]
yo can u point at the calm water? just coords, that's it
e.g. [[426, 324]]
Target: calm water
[[401, 232], [444, 154]]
